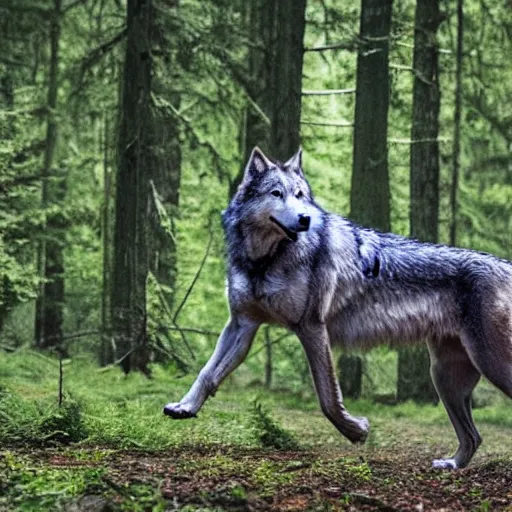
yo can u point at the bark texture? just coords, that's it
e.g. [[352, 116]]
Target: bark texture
[[50, 258], [287, 78], [370, 197], [261, 20], [424, 171], [414, 382], [456, 124], [106, 355], [131, 242]]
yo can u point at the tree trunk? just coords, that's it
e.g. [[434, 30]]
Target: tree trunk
[[106, 355], [131, 244], [424, 170], [286, 88], [414, 380], [351, 375], [7, 99], [53, 290], [276, 85], [261, 20], [369, 197], [456, 123], [50, 259]]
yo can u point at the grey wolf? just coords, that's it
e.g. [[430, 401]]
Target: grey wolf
[[293, 264]]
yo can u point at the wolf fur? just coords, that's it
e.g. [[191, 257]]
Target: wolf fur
[[293, 264]]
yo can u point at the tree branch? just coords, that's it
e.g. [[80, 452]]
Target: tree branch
[[96, 54], [417, 74], [194, 281], [338, 124], [79, 334], [273, 342], [327, 92], [392, 140], [204, 332], [167, 310], [346, 45]]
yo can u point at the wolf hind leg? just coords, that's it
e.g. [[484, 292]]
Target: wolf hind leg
[[490, 349], [455, 377]]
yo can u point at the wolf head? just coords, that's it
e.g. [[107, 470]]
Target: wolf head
[[274, 198]]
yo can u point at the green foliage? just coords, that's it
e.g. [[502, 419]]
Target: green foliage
[[32, 489], [201, 87], [65, 425], [17, 281], [269, 433], [269, 476], [20, 215], [40, 422], [123, 421], [336, 469], [115, 411]]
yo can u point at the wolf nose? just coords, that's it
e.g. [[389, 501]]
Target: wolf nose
[[304, 221]]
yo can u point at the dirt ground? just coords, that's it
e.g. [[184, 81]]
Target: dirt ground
[[229, 478]]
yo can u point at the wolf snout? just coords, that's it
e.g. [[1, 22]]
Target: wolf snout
[[304, 222]]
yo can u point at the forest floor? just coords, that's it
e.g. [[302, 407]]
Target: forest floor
[[130, 457]]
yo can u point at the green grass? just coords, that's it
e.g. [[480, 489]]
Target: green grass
[[104, 407]]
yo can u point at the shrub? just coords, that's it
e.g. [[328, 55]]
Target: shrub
[[25, 421], [269, 433]]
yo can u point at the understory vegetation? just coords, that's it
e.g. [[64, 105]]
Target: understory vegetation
[[109, 446]]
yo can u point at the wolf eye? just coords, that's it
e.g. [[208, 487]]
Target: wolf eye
[[277, 193], [299, 194]]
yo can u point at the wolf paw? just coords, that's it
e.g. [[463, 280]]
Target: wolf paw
[[179, 411], [364, 427], [444, 464], [358, 431]]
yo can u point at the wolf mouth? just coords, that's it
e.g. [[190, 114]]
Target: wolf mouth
[[292, 235]]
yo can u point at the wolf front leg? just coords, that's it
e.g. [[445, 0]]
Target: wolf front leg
[[315, 340], [232, 347]]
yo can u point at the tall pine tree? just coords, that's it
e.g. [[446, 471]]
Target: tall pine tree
[[414, 380], [131, 233]]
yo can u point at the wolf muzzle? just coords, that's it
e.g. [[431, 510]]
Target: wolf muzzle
[[303, 223]]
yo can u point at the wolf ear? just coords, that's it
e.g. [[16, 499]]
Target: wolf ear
[[295, 162], [258, 163]]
